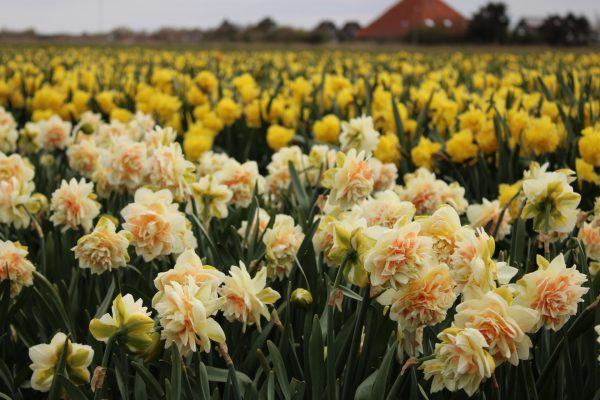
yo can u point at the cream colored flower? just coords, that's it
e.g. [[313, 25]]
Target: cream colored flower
[[103, 249], [15, 201], [282, 242], [140, 125], [385, 175], [126, 164], [15, 166], [359, 134], [397, 255], [185, 314], [262, 217], [130, 320], [553, 290], [502, 323], [210, 198], [320, 158], [386, 209], [428, 193], [210, 162], [16, 191], [278, 180], [168, 169], [156, 225], [488, 213], [28, 135], [242, 180], [454, 195], [83, 157], [15, 266], [74, 204], [89, 122], [159, 137], [442, 226], [424, 300], [247, 298], [188, 265], [471, 264], [108, 133], [550, 200], [45, 359], [590, 237], [351, 181], [323, 238], [461, 361], [8, 132], [55, 134]]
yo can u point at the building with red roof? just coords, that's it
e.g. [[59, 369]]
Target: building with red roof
[[412, 17]]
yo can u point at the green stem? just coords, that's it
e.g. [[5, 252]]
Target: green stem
[[348, 386], [106, 360], [331, 379], [559, 346]]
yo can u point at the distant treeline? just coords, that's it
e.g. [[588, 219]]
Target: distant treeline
[[490, 24]]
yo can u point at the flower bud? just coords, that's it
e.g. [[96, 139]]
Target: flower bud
[[302, 298], [87, 128], [38, 203]]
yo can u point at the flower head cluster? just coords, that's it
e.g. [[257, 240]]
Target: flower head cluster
[[130, 320], [156, 226], [550, 199], [8, 132], [359, 134], [461, 361], [350, 181], [17, 200], [45, 357], [428, 193], [15, 266], [74, 205], [103, 249], [553, 290], [246, 298], [282, 242], [186, 301]]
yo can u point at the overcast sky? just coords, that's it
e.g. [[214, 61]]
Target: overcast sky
[[51, 16]]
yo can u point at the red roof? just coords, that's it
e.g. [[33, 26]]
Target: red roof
[[408, 15]]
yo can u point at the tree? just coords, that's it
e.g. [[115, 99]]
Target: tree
[[266, 25], [489, 24], [348, 31], [566, 31]]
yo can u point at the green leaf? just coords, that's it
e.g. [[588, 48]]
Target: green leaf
[[383, 373], [350, 293], [107, 301], [299, 189], [74, 392], [280, 371], [139, 388], [271, 386], [60, 368], [148, 377], [175, 374], [297, 389], [363, 392], [316, 358], [203, 378]]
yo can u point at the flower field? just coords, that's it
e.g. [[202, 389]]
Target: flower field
[[298, 225]]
